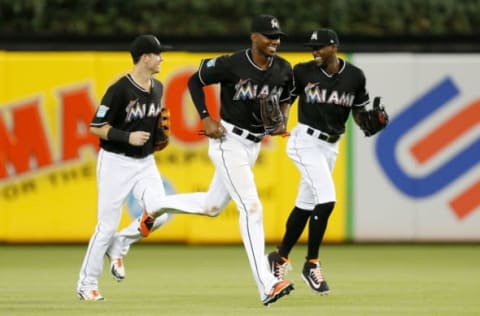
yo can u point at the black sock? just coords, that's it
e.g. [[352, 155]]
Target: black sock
[[317, 228], [295, 225]]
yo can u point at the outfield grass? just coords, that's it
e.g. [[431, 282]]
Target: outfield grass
[[216, 280]]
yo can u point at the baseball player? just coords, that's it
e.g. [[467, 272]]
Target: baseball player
[[329, 88], [234, 144], [126, 123]]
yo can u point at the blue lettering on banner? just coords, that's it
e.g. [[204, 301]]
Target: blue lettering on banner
[[419, 110]]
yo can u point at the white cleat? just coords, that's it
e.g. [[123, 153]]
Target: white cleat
[[117, 268], [89, 294]]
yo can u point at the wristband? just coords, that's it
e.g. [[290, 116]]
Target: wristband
[[117, 135]]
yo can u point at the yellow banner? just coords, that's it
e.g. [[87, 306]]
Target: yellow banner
[[47, 157]]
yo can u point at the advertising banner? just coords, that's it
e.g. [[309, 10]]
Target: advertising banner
[[48, 157], [419, 180]]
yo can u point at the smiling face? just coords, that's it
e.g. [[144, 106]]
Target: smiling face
[[265, 45], [324, 55]]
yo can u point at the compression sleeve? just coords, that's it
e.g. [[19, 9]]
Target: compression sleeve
[[117, 135], [195, 87]]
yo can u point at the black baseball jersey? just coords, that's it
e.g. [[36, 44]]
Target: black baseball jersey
[[242, 81], [129, 107], [326, 99]]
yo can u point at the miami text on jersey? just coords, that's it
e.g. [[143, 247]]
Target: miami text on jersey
[[137, 111], [246, 90], [313, 94]]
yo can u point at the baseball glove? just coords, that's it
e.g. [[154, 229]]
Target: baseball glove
[[163, 130], [374, 120], [271, 115]]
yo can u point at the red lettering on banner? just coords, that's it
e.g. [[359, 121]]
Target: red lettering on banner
[[25, 146], [447, 132], [437, 140], [467, 201], [78, 110], [177, 98], [27, 141]]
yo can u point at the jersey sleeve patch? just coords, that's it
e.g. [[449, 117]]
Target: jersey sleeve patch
[[211, 62], [102, 111]]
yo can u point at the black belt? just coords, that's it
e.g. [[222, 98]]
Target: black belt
[[323, 136], [130, 155], [249, 136], [134, 155]]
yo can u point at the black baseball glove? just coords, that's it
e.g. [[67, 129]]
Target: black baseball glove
[[163, 130], [271, 115], [374, 120]]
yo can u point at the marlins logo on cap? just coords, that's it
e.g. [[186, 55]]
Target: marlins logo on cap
[[323, 37], [266, 25]]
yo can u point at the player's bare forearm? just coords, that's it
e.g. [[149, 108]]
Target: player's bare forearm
[[213, 128]]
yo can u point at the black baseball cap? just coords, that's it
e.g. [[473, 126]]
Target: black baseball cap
[[266, 25], [323, 37], [146, 44]]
